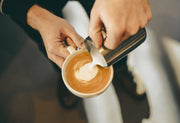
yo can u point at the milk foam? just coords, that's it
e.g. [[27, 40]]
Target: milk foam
[[86, 72]]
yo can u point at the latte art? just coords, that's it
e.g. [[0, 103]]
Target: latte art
[[84, 78], [86, 72]]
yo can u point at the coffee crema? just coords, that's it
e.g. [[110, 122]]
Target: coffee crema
[[89, 82]]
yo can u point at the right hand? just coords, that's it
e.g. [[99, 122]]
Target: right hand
[[55, 32], [120, 18]]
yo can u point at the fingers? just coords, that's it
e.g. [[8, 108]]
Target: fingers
[[57, 48], [113, 37], [143, 18], [115, 30], [56, 36], [147, 10], [70, 42], [121, 19], [58, 53], [95, 27], [134, 21], [74, 37], [56, 59]]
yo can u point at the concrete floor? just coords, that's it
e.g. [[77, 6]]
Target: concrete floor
[[28, 91]]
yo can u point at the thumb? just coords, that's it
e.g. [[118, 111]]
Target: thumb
[[70, 42], [75, 37], [95, 26]]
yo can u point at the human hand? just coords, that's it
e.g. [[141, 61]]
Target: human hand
[[55, 32], [120, 18]]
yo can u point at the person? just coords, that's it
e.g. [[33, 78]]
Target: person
[[43, 21]]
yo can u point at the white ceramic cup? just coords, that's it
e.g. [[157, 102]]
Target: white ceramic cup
[[73, 53]]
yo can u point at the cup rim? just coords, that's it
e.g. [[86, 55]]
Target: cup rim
[[75, 92]]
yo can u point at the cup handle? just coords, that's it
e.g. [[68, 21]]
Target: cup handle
[[71, 49]]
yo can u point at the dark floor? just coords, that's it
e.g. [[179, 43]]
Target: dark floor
[[28, 91]]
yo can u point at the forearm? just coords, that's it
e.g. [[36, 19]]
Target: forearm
[[36, 16]]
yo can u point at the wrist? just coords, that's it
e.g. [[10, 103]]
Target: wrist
[[37, 17]]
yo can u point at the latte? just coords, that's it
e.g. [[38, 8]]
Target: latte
[[84, 78]]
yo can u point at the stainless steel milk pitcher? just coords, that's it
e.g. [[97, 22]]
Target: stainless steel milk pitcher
[[108, 57]]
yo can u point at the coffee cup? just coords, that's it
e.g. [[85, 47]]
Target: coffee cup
[[82, 80]]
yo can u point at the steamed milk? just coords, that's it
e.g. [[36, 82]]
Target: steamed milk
[[86, 72], [84, 77]]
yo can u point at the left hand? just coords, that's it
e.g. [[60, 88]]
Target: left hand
[[55, 32], [121, 19]]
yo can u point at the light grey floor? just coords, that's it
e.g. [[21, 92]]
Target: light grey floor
[[165, 26]]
